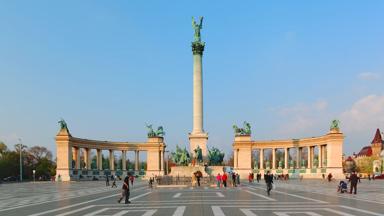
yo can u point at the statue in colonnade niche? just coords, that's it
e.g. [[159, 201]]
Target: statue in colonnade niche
[[255, 165], [315, 162], [303, 163], [291, 163], [280, 164], [246, 130], [267, 165], [152, 133]]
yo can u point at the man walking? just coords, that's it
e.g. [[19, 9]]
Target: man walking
[[107, 180], [268, 180], [353, 179]]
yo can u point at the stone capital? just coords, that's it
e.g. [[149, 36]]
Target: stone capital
[[198, 47]]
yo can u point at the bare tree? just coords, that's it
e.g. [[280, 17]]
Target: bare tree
[[40, 152]]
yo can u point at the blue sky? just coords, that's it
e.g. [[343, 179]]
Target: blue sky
[[109, 67]]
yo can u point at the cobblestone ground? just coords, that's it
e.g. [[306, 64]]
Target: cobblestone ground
[[294, 197]]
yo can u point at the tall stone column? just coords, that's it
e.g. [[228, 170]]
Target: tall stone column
[[286, 152], [261, 158], [87, 158], [124, 160], [235, 165], [99, 160], [298, 158], [273, 158], [161, 160], [198, 137], [77, 157], [111, 160], [309, 163], [320, 156], [137, 160]]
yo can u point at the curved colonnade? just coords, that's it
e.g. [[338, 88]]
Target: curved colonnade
[[69, 148], [329, 147]]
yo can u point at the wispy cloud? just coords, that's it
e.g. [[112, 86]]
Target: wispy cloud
[[302, 118], [369, 76], [368, 112]]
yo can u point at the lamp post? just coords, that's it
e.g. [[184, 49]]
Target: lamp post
[[20, 147]]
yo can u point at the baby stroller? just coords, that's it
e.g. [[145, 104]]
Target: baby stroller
[[343, 187]]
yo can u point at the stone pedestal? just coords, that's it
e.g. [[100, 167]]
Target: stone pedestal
[[243, 155], [199, 140], [64, 149]]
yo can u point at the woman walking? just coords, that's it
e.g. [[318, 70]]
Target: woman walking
[[218, 180]]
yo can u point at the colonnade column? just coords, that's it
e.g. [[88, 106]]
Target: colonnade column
[[123, 160], [87, 158], [77, 158], [161, 160], [309, 163], [298, 157], [137, 160], [99, 160], [235, 165], [273, 158], [286, 152], [320, 156], [111, 160], [261, 158]]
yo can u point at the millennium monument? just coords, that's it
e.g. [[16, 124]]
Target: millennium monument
[[307, 157], [198, 138]]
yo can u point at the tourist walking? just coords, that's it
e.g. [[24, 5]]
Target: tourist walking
[[353, 179], [234, 179], [237, 178], [218, 180], [106, 180], [125, 194], [114, 183], [224, 179], [151, 182], [269, 181], [330, 177]]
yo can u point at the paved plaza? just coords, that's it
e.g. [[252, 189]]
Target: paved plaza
[[307, 197]]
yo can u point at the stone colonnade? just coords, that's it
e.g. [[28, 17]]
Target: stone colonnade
[[68, 150], [330, 149], [88, 160]]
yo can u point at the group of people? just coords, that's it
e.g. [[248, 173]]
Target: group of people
[[353, 179], [222, 180]]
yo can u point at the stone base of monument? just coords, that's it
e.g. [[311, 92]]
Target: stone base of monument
[[187, 171]]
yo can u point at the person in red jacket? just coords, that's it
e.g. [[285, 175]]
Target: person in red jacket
[[224, 179]]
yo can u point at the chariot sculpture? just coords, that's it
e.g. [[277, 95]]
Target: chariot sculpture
[[246, 130], [152, 133]]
